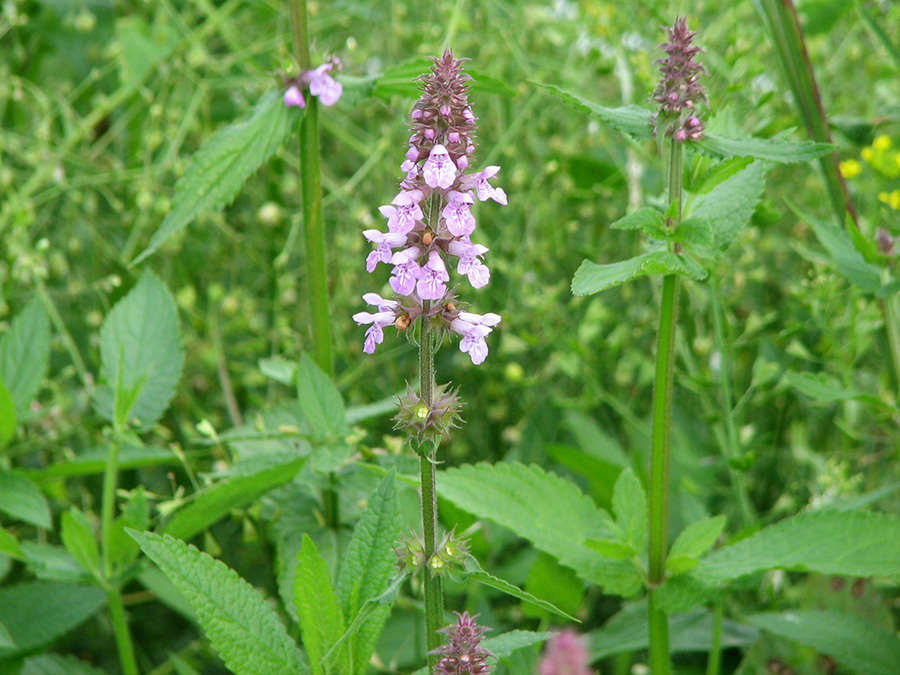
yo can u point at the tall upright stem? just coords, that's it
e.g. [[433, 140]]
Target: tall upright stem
[[311, 188], [660, 448], [434, 596]]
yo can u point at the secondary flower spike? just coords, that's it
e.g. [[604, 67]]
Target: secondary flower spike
[[463, 653], [679, 92], [430, 221], [318, 82], [565, 655]]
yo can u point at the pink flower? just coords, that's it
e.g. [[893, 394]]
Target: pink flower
[[458, 213], [293, 97], [565, 655], [439, 170], [321, 84], [403, 211], [432, 282]]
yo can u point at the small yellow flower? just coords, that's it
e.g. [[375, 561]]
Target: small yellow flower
[[881, 143], [892, 199], [850, 168], [867, 154]]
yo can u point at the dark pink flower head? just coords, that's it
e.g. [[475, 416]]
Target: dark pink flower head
[[565, 655], [679, 92], [463, 653]]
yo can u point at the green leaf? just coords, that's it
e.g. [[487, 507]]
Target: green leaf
[[320, 400], [239, 623], [631, 120], [94, 462], [321, 619], [489, 85], [140, 355], [477, 574], [593, 278], [627, 632], [648, 220], [554, 583], [216, 501], [79, 540], [6, 641], [854, 643], [730, 204], [849, 543], [279, 369], [823, 387], [9, 545], [57, 664], [227, 159], [545, 509], [697, 538], [401, 79], [21, 499], [878, 31], [52, 563], [773, 150], [679, 564], [850, 262], [25, 354], [593, 440], [368, 567], [629, 504], [7, 416], [611, 548], [36, 613]]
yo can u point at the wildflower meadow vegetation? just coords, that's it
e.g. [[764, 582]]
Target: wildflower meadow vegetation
[[539, 338]]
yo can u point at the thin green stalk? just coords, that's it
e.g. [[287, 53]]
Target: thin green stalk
[[732, 448], [120, 628], [311, 189], [434, 596], [660, 438], [714, 663]]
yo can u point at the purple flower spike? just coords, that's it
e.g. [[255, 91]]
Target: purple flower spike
[[565, 655], [294, 98], [463, 655], [439, 170], [679, 91]]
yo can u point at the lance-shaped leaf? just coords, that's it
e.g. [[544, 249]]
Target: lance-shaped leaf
[[227, 159], [239, 623], [22, 500], [321, 618], [593, 278], [774, 150], [25, 353], [140, 355], [368, 567], [631, 120]]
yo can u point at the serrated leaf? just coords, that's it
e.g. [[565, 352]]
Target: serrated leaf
[[279, 369], [849, 543], [774, 150], [477, 574], [140, 355], [320, 400], [321, 619], [648, 220], [839, 245], [627, 632], [695, 231], [25, 354], [854, 643], [697, 538], [721, 171], [611, 548], [57, 664], [593, 278], [36, 613], [227, 159], [632, 120], [239, 623], [215, 502], [7, 416], [368, 567], [79, 540], [730, 204], [22, 500], [679, 564], [488, 84], [545, 509], [629, 504]]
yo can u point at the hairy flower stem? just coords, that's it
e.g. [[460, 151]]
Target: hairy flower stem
[[434, 596], [714, 662], [311, 188], [661, 436]]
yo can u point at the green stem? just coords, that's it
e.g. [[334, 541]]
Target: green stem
[[108, 507], [311, 188], [732, 449], [660, 438], [892, 328], [714, 663], [434, 596], [120, 628]]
